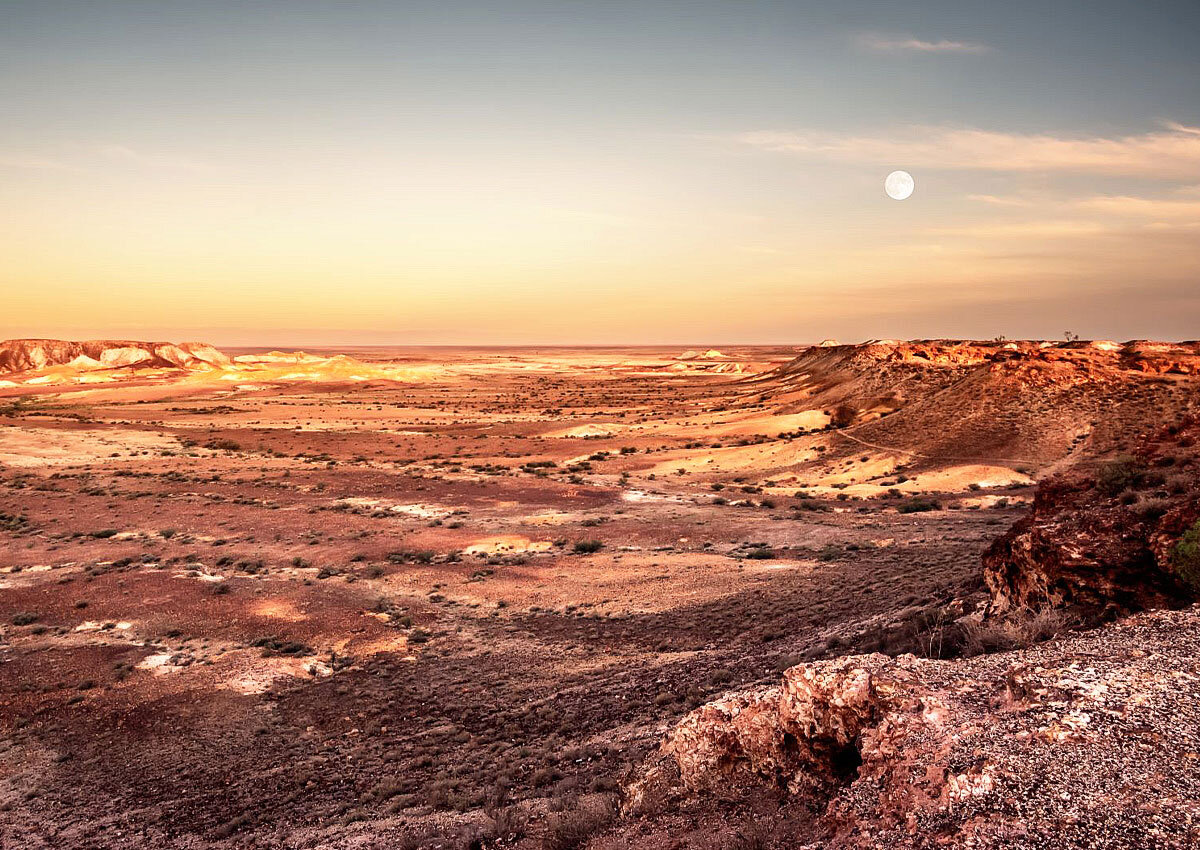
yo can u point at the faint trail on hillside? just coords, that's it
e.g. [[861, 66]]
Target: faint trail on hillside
[[863, 442]]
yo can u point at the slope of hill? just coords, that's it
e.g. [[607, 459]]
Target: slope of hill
[[1020, 403]]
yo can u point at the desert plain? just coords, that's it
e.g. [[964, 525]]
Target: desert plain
[[455, 597]]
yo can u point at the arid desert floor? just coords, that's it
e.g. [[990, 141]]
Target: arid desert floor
[[385, 597]]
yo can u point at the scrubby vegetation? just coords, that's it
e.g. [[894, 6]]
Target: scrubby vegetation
[[1185, 557]]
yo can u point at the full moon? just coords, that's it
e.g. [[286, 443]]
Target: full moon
[[898, 185]]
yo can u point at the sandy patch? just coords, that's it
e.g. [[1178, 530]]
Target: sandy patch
[[594, 429], [159, 664], [278, 609], [992, 501], [258, 674], [96, 625], [421, 511], [506, 543], [550, 518], [199, 576], [763, 458], [775, 566], [961, 477], [641, 496], [24, 447], [951, 479]]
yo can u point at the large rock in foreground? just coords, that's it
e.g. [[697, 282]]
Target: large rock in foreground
[[1091, 741]]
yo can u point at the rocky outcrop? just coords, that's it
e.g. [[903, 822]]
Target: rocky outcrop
[[1073, 743], [1093, 356], [1103, 543], [25, 355], [1087, 741]]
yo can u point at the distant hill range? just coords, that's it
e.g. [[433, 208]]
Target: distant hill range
[[24, 355]]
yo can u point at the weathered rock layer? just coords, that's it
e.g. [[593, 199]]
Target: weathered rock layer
[[1082, 742], [1104, 542]]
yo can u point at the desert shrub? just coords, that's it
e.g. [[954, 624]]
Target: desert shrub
[[914, 506], [586, 547], [1119, 474], [423, 556], [829, 552], [274, 646], [1185, 557], [720, 676], [1151, 509], [843, 415], [508, 824], [1019, 630], [417, 838], [571, 829], [442, 794], [810, 504], [12, 522], [1178, 484]]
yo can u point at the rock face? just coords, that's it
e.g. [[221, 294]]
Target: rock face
[[1090, 741], [24, 355], [1103, 543]]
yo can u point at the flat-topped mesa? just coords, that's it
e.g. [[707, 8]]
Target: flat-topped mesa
[[26, 355], [1135, 355]]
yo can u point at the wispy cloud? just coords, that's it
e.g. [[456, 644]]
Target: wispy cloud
[[95, 157], [907, 44], [152, 160], [1001, 200], [28, 162], [1170, 153], [1048, 229], [1135, 207]]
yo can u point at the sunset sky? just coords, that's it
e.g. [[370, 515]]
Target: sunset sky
[[590, 172]]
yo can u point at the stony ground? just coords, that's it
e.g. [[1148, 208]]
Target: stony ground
[[1087, 740], [458, 609]]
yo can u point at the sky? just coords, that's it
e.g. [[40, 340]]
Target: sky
[[270, 173]]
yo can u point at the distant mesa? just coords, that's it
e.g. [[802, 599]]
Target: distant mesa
[[279, 357], [710, 354], [56, 362], [27, 355]]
